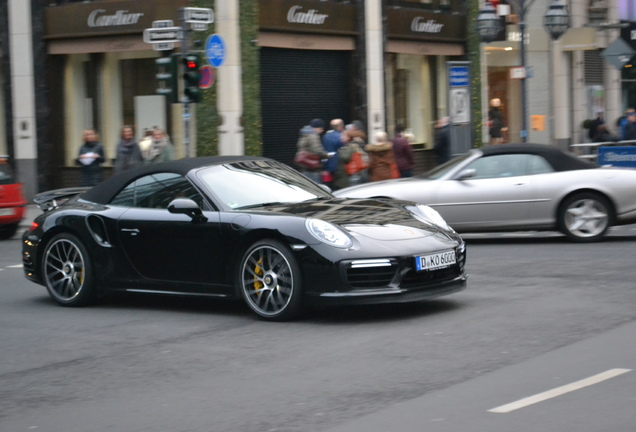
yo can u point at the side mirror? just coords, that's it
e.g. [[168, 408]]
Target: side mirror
[[466, 174], [187, 207]]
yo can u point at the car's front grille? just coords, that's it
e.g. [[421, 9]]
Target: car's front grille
[[371, 273], [382, 273]]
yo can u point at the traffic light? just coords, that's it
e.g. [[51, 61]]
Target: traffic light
[[191, 78], [167, 78]]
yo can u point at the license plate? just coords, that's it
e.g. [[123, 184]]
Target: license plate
[[6, 212], [435, 261]]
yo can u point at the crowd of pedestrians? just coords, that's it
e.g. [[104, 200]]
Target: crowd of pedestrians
[[347, 158], [154, 147]]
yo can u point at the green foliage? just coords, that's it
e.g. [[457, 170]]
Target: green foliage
[[207, 117], [251, 77], [473, 47], [207, 112]]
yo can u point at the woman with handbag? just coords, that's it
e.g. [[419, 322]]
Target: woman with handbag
[[310, 152]]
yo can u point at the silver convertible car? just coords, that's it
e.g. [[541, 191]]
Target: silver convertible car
[[515, 187]]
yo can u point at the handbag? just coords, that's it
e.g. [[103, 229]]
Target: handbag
[[307, 160], [355, 164], [395, 172]]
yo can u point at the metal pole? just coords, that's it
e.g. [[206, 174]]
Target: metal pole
[[522, 51]]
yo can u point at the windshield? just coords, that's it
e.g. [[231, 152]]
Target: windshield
[[252, 183], [441, 170]]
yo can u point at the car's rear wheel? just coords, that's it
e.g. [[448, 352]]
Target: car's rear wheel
[[585, 217], [269, 279], [8, 231], [67, 271]]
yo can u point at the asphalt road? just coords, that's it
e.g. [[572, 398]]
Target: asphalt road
[[540, 314]]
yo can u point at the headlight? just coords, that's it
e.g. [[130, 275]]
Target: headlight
[[328, 233], [432, 215]]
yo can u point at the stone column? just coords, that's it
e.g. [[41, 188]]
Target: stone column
[[229, 85]]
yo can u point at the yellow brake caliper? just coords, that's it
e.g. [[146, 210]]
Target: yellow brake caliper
[[259, 271]]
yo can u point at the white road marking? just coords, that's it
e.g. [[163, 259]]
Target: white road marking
[[559, 391], [15, 266]]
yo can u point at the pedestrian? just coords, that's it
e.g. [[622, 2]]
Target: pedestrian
[[591, 133], [403, 152], [128, 154], [145, 143], [331, 142], [604, 135], [310, 143], [495, 122], [630, 128], [623, 122], [357, 137], [162, 149], [381, 158], [442, 146], [90, 159]]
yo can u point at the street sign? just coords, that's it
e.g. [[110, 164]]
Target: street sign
[[198, 15], [215, 50], [162, 46], [618, 53], [207, 77], [162, 35]]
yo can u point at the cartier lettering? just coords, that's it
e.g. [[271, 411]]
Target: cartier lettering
[[295, 15], [420, 26], [119, 18]]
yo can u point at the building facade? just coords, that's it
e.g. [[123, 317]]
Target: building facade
[[71, 65]]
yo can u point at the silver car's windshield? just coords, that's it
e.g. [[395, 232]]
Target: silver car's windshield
[[441, 170], [253, 183]]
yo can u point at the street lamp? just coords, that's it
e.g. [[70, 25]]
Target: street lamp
[[556, 21]]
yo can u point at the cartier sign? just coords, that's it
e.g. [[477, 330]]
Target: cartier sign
[[403, 23], [307, 16], [99, 18], [296, 15], [106, 18]]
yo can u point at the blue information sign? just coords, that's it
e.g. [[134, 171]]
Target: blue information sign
[[617, 156], [458, 76], [215, 50]]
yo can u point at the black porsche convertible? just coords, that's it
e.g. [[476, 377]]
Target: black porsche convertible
[[245, 227]]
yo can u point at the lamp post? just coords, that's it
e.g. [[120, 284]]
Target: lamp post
[[556, 21]]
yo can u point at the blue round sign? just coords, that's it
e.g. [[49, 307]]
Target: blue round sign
[[215, 50]]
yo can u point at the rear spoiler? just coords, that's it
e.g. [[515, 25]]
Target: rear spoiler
[[52, 199]]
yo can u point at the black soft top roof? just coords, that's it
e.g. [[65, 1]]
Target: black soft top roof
[[560, 160], [106, 190]]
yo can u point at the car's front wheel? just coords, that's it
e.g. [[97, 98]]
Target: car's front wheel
[[585, 217], [269, 280], [67, 271]]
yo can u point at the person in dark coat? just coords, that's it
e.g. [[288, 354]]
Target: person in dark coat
[[630, 127], [90, 159], [128, 154], [403, 153], [442, 141]]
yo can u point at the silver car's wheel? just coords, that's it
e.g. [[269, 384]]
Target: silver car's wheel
[[585, 217], [67, 271], [270, 281]]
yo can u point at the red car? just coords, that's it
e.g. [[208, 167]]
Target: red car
[[12, 202]]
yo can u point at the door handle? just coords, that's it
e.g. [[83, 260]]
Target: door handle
[[521, 184], [132, 231]]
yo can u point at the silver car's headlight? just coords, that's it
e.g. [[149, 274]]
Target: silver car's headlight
[[328, 233], [432, 216]]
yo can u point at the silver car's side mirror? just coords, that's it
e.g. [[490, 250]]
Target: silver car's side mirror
[[466, 174]]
